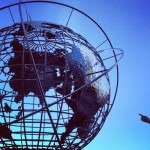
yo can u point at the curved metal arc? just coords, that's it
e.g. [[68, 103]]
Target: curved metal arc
[[73, 8]]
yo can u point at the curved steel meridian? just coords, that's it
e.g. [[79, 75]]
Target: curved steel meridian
[[55, 86]]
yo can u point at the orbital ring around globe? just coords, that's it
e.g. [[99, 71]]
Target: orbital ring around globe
[[56, 86]]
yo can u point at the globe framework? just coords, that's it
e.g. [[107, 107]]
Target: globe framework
[[54, 87]]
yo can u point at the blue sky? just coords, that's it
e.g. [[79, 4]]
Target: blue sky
[[127, 23]]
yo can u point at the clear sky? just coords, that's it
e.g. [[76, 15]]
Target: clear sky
[[127, 24]]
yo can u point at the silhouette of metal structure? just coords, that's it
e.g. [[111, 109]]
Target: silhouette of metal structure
[[56, 89]]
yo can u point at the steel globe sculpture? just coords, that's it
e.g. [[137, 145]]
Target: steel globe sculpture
[[56, 87]]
